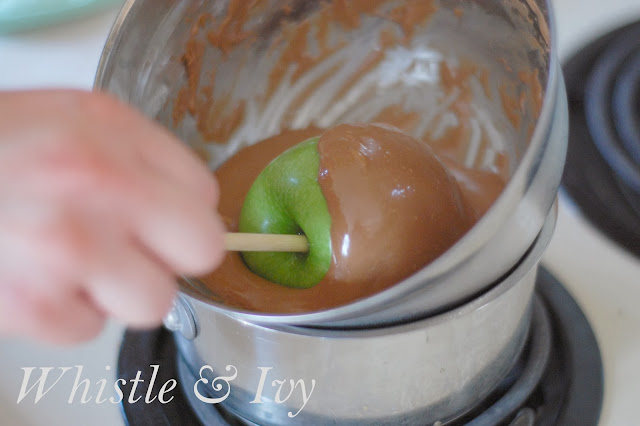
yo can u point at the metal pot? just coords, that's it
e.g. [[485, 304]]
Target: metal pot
[[417, 373], [141, 65]]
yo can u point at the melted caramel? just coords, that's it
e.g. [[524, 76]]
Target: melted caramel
[[389, 195], [397, 204]]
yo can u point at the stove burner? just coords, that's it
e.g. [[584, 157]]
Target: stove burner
[[602, 173], [557, 381]]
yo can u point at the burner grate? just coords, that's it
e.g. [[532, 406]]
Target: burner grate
[[602, 173]]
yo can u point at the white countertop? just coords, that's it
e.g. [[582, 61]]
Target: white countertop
[[602, 277]]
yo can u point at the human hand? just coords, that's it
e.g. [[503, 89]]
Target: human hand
[[100, 209]]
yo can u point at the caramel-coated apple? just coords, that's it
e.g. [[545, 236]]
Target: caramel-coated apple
[[375, 204]]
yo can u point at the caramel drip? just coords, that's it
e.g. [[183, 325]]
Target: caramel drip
[[501, 166], [296, 37]]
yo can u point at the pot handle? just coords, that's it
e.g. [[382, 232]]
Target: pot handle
[[180, 319]]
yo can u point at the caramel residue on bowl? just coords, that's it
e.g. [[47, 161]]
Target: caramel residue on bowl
[[387, 39], [531, 79], [296, 37], [370, 62], [516, 102], [212, 122], [186, 100], [397, 116], [231, 32], [412, 14], [213, 125], [295, 41], [295, 59], [505, 64], [485, 82], [454, 141], [456, 78], [348, 12], [511, 104], [344, 14], [300, 99]]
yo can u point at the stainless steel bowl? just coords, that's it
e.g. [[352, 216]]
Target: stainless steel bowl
[[141, 65]]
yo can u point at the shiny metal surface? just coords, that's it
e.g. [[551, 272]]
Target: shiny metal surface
[[181, 319], [141, 65], [416, 373]]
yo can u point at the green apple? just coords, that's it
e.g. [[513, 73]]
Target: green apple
[[286, 198]]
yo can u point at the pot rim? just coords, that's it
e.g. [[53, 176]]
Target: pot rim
[[528, 263]]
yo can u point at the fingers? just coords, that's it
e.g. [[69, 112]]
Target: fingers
[[121, 278], [100, 209], [130, 164], [74, 129], [165, 154], [157, 148], [173, 225], [40, 241], [67, 319], [126, 257], [127, 284]]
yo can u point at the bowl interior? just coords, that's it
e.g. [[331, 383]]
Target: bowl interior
[[498, 46], [226, 74]]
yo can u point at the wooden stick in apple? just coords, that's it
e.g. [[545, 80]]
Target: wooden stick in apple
[[246, 241]]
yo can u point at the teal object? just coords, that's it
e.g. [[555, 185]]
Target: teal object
[[23, 15]]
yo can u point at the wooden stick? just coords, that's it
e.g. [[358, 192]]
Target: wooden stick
[[241, 241]]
